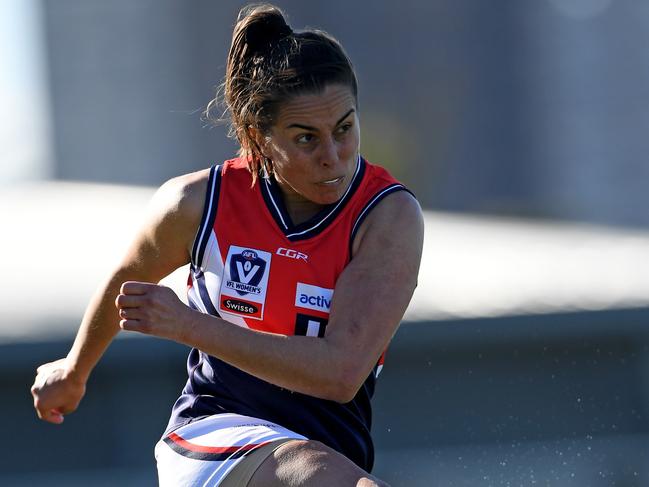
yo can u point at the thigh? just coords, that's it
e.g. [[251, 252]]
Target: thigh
[[308, 463], [243, 471], [205, 451]]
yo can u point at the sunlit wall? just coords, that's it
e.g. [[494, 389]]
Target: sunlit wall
[[25, 149], [532, 108]]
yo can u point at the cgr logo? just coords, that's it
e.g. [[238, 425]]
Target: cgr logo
[[292, 254], [313, 297]]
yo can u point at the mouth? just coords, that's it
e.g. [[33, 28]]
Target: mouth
[[331, 182]]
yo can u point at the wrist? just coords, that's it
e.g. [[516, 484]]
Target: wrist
[[75, 373]]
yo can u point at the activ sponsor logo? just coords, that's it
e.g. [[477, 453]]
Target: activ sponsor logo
[[313, 297], [318, 301]]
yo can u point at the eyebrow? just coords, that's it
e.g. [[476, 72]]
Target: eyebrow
[[306, 127]]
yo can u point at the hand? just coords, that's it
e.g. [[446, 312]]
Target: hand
[[56, 391], [152, 309]]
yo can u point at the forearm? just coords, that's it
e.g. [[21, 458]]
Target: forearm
[[313, 366], [99, 326]]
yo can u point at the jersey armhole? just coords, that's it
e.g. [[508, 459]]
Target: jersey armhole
[[375, 200], [209, 215]]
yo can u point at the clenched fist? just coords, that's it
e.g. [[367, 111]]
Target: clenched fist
[[56, 391], [154, 310]]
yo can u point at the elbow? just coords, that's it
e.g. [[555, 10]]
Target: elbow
[[341, 394], [345, 396], [342, 376], [344, 385]]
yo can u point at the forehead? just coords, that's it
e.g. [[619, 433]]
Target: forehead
[[317, 108]]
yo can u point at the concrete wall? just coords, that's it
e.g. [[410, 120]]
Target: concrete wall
[[534, 108]]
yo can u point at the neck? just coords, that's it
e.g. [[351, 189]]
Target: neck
[[299, 208]]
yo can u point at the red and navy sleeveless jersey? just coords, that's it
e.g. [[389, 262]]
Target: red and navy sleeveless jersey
[[252, 266]]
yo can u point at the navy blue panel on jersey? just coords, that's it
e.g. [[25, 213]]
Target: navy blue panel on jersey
[[204, 294], [209, 213], [343, 427]]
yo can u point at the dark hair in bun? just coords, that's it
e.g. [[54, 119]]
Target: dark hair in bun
[[258, 32], [268, 64]]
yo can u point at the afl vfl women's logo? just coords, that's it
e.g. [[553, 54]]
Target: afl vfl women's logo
[[246, 271], [244, 282]]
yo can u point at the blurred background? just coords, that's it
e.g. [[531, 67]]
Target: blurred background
[[521, 125]]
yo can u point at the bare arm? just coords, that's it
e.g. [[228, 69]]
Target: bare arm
[[369, 300], [160, 246]]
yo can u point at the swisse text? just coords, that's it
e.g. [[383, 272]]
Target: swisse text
[[239, 306], [292, 254]]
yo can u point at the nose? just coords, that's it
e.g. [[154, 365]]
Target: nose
[[328, 154]]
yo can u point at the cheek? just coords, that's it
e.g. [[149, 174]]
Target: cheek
[[292, 167], [351, 144], [355, 135], [279, 153]]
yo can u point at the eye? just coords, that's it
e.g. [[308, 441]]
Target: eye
[[344, 128], [304, 138]]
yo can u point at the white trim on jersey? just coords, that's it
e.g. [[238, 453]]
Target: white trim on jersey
[[193, 295], [378, 370], [279, 213], [211, 273], [312, 328], [206, 223], [212, 260]]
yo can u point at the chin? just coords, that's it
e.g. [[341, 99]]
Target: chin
[[328, 198]]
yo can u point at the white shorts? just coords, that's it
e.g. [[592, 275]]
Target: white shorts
[[202, 453]]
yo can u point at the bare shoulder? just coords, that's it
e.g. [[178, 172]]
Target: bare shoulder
[[169, 227], [183, 195], [397, 220]]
